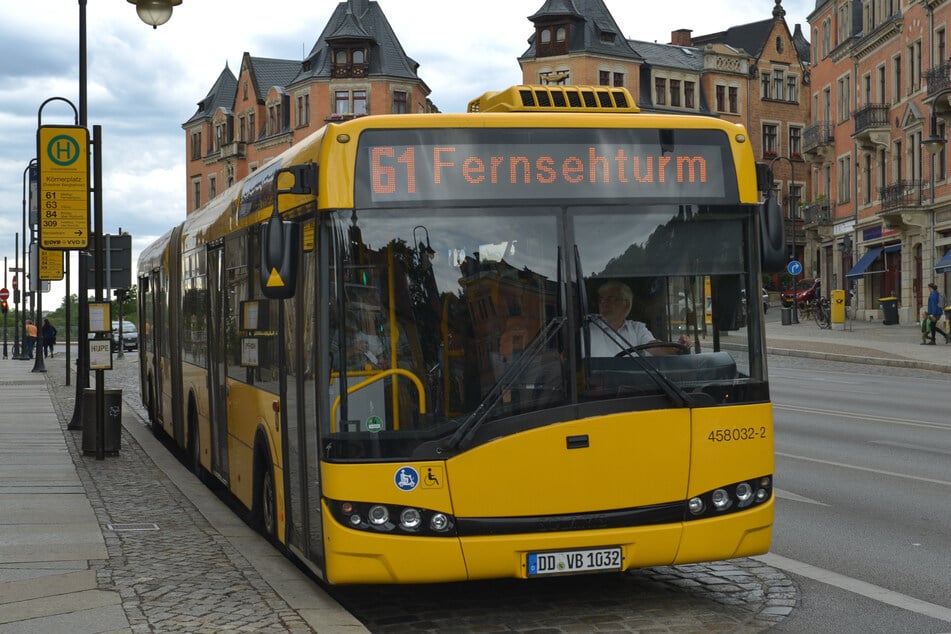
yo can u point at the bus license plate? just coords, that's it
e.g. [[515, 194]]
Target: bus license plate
[[570, 561]]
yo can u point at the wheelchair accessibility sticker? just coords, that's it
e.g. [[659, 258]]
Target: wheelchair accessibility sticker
[[407, 478]]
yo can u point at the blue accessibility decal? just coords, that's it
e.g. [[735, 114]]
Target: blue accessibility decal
[[407, 478]]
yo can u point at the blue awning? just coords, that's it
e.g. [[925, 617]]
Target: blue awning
[[944, 264], [859, 269]]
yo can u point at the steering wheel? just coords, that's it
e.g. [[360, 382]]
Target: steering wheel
[[681, 348]]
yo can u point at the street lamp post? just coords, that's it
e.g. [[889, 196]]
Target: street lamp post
[[934, 144], [154, 13], [793, 205]]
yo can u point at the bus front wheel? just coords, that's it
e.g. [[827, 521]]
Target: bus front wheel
[[265, 498]]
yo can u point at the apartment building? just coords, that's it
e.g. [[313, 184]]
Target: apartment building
[[878, 219], [356, 67], [755, 74]]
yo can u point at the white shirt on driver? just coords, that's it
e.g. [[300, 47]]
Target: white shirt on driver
[[634, 332]]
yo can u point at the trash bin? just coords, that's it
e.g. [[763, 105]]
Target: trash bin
[[786, 314], [889, 310], [112, 420]]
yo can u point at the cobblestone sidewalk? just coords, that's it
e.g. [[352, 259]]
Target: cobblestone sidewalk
[[172, 570]]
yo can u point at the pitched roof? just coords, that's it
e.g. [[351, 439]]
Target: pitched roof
[[669, 55], [356, 20], [221, 95], [599, 33], [266, 72], [749, 37]]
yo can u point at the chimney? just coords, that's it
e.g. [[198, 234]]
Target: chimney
[[681, 37]]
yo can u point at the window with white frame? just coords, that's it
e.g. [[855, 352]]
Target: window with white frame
[[778, 83], [660, 91], [843, 97], [844, 182], [792, 88], [303, 110], [770, 139], [795, 140]]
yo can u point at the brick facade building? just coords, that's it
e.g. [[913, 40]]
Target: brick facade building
[[875, 146], [755, 74]]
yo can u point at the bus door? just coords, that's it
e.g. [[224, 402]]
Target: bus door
[[304, 528], [217, 372]]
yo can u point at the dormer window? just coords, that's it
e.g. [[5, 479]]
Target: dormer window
[[350, 62], [553, 39]]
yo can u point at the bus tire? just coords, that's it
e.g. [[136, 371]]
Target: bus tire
[[150, 408], [265, 498], [194, 451]]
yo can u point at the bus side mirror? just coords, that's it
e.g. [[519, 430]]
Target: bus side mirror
[[280, 244], [772, 236]]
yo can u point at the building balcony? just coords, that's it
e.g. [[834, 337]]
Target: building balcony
[[236, 149], [872, 128], [817, 213], [939, 89], [818, 142], [902, 204]]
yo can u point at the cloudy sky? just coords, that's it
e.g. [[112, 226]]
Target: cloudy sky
[[144, 83]]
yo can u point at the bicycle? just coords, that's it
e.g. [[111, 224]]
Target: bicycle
[[822, 313]]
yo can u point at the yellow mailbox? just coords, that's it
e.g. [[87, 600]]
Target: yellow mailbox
[[838, 306]]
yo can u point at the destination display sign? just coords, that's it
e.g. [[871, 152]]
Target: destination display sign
[[63, 187], [651, 165]]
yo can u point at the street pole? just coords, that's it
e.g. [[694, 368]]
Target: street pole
[[793, 211], [5, 312], [16, 296], [82, 319]]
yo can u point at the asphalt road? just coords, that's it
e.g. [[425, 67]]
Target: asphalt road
[[863, 460]]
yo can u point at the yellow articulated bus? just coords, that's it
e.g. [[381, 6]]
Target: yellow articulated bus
[[379, 341]]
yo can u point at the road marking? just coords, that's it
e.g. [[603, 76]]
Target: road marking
[[788, 495], [901, 445], [856, 586], [832, 463], [864, 417]]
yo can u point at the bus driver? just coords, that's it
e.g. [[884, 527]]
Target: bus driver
[[614, 304]]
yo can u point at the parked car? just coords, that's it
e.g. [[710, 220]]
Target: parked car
[[130, 336], [806, 290]]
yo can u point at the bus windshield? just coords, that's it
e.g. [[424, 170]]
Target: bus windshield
[[455, 326]]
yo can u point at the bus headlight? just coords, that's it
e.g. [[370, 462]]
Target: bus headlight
[[439, 522], [721, 500], [730, 498], [378, 515], [410, 519], [743, 493], [382, 518]]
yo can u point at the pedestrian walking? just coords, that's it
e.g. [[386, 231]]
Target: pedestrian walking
[[925, 322], [30, 328], [935, 306], [49, 337]]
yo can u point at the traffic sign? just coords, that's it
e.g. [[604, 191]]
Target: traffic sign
[[794, 267], [4, 293], [51, 264], [63, 159]]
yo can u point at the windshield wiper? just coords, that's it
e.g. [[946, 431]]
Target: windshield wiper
[[468, 428], [673, 391]]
